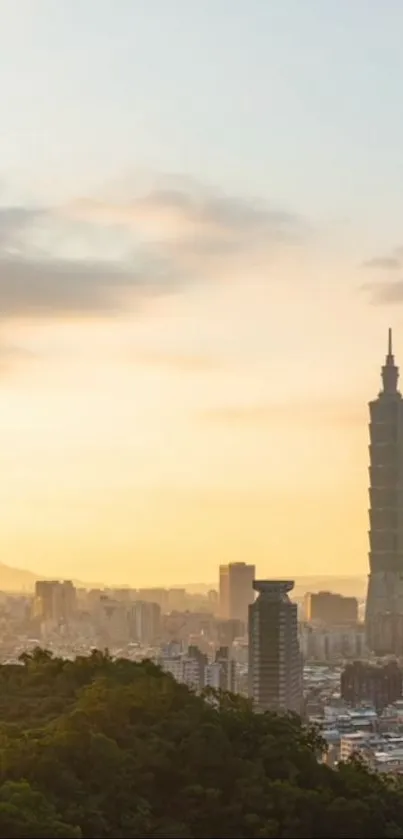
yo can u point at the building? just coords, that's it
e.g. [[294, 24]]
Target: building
[[185, 669], [379, 684], [112, 621], [330, 609], [358, 743], [228, 631], [220, 674], [275, 664], [332, 643], [44, 599], [381, 753], [176, 599], [55, 602], [173, 664], [66, 601], [145, 622], [194, 669], [189, 669], [212, 600], [384, 609], [223, 589], [194, 665], [154, 595], [236, 591]]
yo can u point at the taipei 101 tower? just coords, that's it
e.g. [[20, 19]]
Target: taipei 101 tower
[[384, 610]]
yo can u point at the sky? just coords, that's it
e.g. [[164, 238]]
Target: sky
[[201, 251]]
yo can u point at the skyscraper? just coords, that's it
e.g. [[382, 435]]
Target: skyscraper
[[55, 601], [223, 591], [384, 610], [236, 590], [145, 621], [220, 674], [275, 664]]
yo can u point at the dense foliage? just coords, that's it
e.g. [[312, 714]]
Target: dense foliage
[[102, 748]]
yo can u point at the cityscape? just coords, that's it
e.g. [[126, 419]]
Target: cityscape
[[201, 419], [323, 657]]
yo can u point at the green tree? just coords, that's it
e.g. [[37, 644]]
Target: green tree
[[115, 749], [26, 814]]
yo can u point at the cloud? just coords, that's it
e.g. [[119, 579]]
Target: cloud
[[270, 414], [195, 218], [220, 213], [100, 257], [386, 291], [384, 263], [13, 221], [43, 288]]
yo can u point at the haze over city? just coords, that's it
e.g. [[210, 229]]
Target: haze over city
[[200, 256], [201, 419]]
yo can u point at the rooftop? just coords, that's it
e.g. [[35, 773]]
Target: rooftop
[[275, 588]]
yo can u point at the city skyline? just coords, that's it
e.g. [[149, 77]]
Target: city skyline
[[199, 262]]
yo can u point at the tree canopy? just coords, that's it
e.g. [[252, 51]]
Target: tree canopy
[[103, 748]]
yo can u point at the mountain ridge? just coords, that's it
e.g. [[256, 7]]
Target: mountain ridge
[[20, 580]]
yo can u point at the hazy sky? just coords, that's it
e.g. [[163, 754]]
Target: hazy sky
[[201, 249]]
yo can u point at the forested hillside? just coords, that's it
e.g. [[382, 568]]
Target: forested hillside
[[102, 748]]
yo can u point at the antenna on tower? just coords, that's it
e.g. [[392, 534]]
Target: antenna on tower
[[390, 373]]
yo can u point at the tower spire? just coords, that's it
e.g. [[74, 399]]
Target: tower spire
[[390, 373]]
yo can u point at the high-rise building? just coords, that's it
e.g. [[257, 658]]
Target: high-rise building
[[220, 674], [275, 664], [236, 591], [113, 624], [67, 601], [384, 609], [379, 684], [145, 622], [44, 599], [330, 609], [223, 594], [55, 601], [195, 664]]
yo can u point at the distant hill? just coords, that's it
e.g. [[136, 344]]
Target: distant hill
[[348, 586], [17, 579], [20, 580]]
